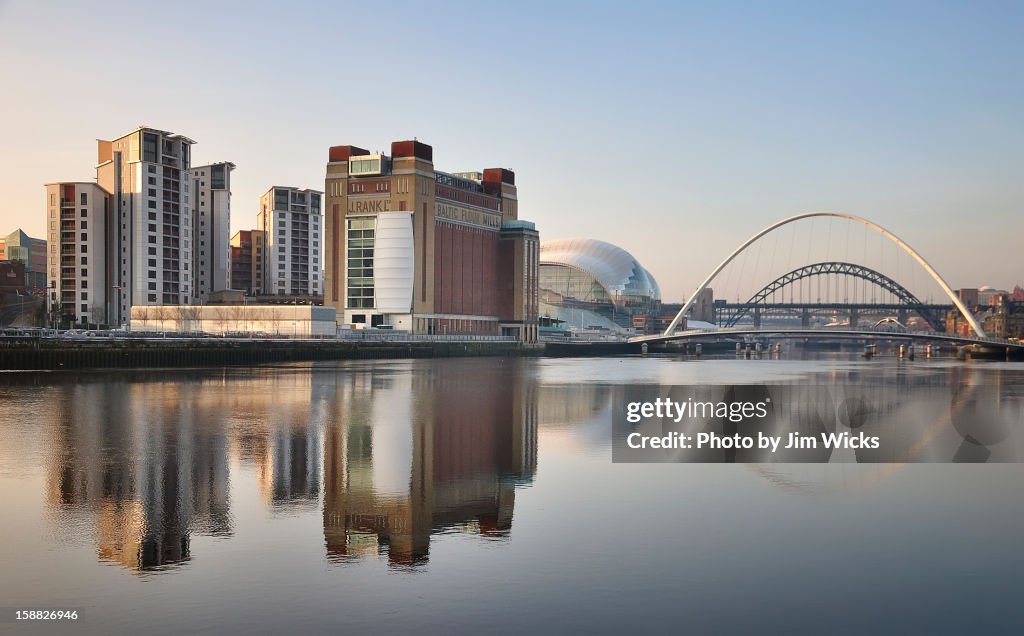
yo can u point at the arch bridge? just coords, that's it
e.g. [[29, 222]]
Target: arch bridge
[[767, 298], [905, 300]]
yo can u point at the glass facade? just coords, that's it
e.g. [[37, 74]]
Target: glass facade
[[364, 166], [359, 269], [564, 285], [596, 280]]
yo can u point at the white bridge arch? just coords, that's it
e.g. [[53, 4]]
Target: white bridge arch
[[850, 217]]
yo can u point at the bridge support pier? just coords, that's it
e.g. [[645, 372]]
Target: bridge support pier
[[854, 316], [901, 315], [805, 319], [757, 317]]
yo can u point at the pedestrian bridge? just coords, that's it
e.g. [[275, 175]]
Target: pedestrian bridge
[[841, 282], [828, 334]]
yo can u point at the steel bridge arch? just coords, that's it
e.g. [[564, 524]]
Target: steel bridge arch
[[832, 267], [975, 325]]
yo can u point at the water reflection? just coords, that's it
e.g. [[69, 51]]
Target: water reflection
[[953, 414], [392, 455], [138, 460], [425, 453]]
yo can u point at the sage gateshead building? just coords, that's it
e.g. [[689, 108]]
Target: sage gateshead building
[[412, 248], [591, 284]]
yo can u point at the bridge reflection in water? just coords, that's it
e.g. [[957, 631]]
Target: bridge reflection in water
[[147, 461]]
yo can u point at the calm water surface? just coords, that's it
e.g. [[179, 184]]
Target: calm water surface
[[479, 495]]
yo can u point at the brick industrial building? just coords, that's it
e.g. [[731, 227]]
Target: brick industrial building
[[427, 251]]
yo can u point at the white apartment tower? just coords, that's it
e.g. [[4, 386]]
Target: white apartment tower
[[76, 253], [292, 222], [147, 174], [211, 222]]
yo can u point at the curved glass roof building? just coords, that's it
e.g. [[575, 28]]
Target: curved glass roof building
[[588, 283]]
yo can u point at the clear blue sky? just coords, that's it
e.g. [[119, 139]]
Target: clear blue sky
[[672, 129]]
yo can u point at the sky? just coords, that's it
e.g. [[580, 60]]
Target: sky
[[674, 130]]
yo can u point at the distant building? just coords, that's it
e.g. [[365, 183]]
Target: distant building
[[301, 321], [427, 251], [292, 224], [164, 234], [211, 222], [79, 270], [18, 246], [587, 283], [1006, 319], [247, 262], [989, 296], [146, 173], [968, 296], [12, 278]]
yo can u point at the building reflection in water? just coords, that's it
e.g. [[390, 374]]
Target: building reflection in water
[[411, 455], [134, 456], [393, 453]]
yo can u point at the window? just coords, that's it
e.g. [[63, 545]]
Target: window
[[84, 213], [84, 225], [85, 285], [150, 143], [152, 205], [85, 236], [152, 216], [85, 260], [85, 248], [85, 308], [152, 286], [152, 273], [152, 227], [85, 272], [152, 192], [152, 239], [152, 180], [152, 169], [360, 245], [85, 295], [152, 298], [152, 251], [85, 199]]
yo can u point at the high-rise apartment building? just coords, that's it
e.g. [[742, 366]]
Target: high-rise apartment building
[[247, 262], [292, 224], [77, 253], [18, 246], [150, 248], [427, 251], [211, 222]]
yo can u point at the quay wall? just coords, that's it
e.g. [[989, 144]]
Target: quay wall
[[43, 354]]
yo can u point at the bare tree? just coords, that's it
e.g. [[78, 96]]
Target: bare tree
[[188, 316]]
